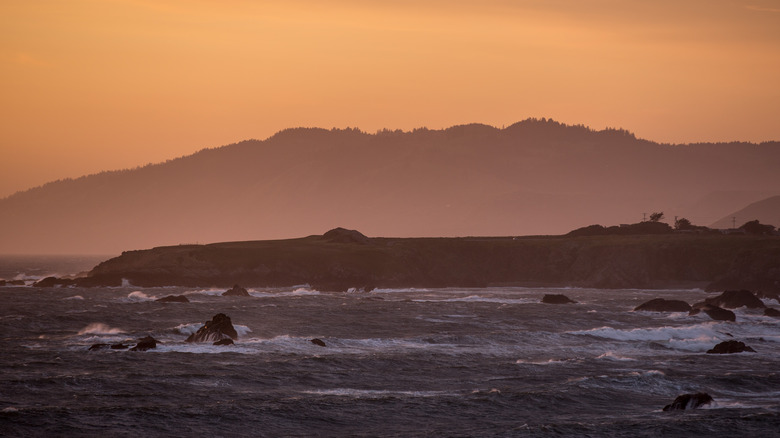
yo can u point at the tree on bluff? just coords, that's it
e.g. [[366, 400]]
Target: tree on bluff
[[682, 224]]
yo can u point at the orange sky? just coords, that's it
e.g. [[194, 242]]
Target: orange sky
[[91, 85]]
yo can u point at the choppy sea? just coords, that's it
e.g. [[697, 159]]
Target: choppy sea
[[397, 362]]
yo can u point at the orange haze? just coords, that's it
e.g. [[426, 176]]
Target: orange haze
[[91, 85]]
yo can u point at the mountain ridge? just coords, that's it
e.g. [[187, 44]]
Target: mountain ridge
[[536, 176]]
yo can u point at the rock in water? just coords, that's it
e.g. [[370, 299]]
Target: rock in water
[[770, 311], [689, 401], [713, 312], [728, 347], [317, 341], [173, 299], [731, 299], [557, 299], [662, 305], [236, 291], [217, 329], [144, 344]]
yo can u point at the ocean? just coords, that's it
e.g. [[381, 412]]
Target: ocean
[[453, 362]]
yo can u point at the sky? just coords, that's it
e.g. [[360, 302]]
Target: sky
[[94, 85]]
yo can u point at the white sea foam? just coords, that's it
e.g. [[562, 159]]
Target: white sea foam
[[612, 356], [75, 297], [98, 328], [139, 296]]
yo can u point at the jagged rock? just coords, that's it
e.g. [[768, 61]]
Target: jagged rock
[[317, 341], [144, 344], [173, 299], [728, 347], [236, 291], [100, 346], [15, 283], [713, 312], [663, 305], [119, 346], [769, 311], [220, 327], [689, 401], [224, 341], [731, 299], [557, 299]]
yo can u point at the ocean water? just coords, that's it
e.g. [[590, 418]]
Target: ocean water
[[406, 363]]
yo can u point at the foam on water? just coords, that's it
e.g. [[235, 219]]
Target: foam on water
[[75, 297], [377, 394], [138, 296], [98, 328]]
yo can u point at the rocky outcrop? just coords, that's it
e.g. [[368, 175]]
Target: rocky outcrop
[[714, 312], [689, 401], [556, 299], [317, 341], [732, 299], [144, 344], [663, 305], [342, 235], [220, 327], [53, 282], [729, 347], [173, 299], [236, 291]]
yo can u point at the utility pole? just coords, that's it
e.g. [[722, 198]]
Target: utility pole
[[644, 217]]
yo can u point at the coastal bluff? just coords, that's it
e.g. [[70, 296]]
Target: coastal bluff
[[343, 259]]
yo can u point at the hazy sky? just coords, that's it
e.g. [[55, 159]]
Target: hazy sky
[[91, 85]]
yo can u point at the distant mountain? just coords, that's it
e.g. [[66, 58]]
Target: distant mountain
[[533, 177], [766, 211]]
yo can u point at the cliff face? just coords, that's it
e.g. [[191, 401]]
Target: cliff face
[[329, 263]]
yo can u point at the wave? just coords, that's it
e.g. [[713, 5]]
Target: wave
[[192, 327], [694, 337], [479, 299], [138, 296], [98, 328], [378, 393], [74, 297]]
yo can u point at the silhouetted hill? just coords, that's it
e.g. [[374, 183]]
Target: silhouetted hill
[[766, 211], [533, 177]]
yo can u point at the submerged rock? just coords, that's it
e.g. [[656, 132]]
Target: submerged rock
[[689, 401], [99, 346], [173, 299], [236, 291], [317, 341], [729, 347], [663, 305], [220, 327], [731, 299], [770, 311], [225, 341], [53, 282], [144, 344], [557, 299]]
